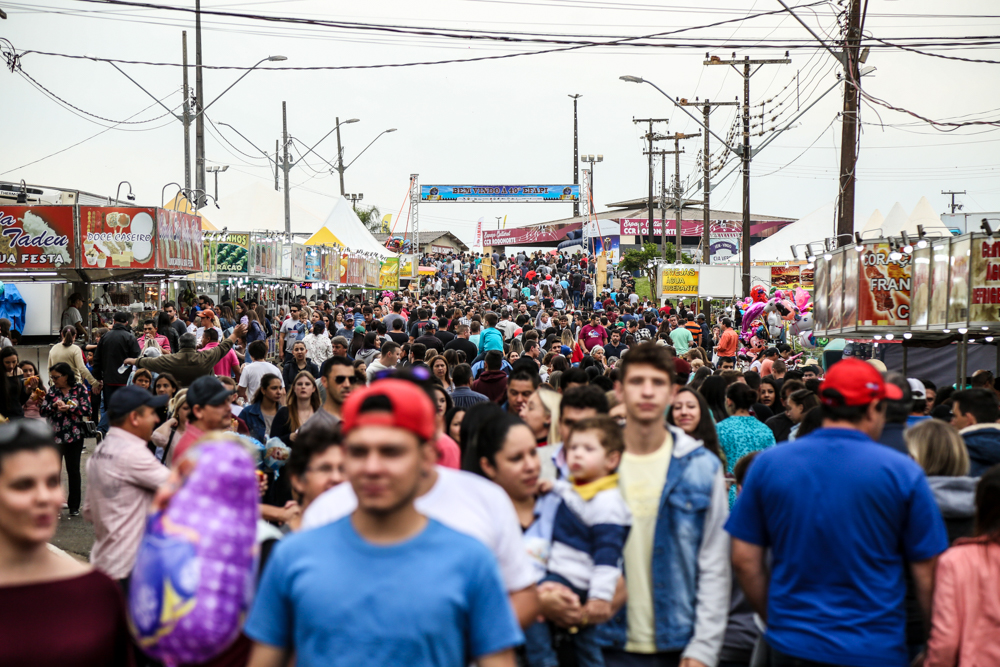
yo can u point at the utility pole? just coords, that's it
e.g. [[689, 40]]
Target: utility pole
[[277, 161], [286, 166], [849, 126], [340, 158], [576, 156], [650, 138], [746, 154], [954, 206], [199, 104], [678, 218], [663, 204], [187, 114]]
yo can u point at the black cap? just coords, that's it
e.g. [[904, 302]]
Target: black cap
[[133, 397], [122, 316], [207, 390]]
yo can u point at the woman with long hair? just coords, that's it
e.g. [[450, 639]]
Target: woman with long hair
[[170, 432], [741, 433], [770, 394], [714, 391], [441, 371], [42, 588], [166, 329], [689, 412], [259, 415], [965, 621], [799, 404], [66, 405], [301, 404], [227, 319]]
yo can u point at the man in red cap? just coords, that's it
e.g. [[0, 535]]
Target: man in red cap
[[842, 516], [385, 585]]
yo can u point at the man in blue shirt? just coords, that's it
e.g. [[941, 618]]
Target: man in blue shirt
[[842, 517], [384, 585]]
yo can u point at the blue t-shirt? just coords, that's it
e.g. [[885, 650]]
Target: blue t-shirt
[[842, 516], [436, 599]]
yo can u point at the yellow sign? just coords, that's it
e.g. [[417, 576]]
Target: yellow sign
[[679, 281], [389, 274]]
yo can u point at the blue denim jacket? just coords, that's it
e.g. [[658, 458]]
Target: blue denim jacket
[[691, 571], [254, 421]]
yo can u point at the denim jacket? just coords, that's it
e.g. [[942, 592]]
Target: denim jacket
[[255, 421], [690, 570]]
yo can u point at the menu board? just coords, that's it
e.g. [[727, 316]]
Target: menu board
[[679, 282], [820, 295], [806, 277], [233, 254], [921, 292], [785, 277], [984, 308], [178, 241], [852, 264], [117, 238], [355, 270], [884, 288], [37, 237], [835, 292], [937, 314], [958, 298], [298, 269]]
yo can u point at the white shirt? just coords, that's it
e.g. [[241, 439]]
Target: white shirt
[[460, 500], [70, 317], [253, 372]]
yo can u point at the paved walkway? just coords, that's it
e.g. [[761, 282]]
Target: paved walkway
[[74, 534]]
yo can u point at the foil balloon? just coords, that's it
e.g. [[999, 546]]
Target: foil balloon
[[758, 294], [789, 312], [804, 323], [801, 298], [774, 324], [807, 340], [193, 579]]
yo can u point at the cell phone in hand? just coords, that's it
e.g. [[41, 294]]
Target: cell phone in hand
[[244, 320]]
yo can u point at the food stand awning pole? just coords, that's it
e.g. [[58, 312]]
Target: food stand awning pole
[[905, 351]]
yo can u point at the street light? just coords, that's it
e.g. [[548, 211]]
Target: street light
[[215, 170], [637, 79], [130, 196], [340, 155]]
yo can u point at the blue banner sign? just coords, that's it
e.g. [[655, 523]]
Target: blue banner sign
[[500, 193]]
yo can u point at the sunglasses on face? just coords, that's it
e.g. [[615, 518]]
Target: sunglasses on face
[[340, 379]]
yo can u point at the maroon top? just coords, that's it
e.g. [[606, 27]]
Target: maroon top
[[78, 622]]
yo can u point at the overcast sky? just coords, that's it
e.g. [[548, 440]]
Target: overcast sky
[[496, 121]]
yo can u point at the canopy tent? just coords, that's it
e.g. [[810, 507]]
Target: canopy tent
[[812, 228], [260, 207], [925, 215], [874, 222], [894, 221], [181, 203], [343, 227]]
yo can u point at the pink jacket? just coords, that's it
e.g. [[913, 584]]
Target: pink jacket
[[965, 624]]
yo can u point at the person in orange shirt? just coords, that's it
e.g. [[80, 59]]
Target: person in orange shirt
[[770, 356], [726, 349]]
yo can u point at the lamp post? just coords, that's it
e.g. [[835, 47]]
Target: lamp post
[[130, 196], [355, 199], [215, 170], [340, 155]]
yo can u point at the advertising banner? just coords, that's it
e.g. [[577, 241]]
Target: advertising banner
[[298, 272], [528, 235], [720, 250], [937, 314], [921, 292], [37, 237], [178, 241], [500, 193], [785, 277], [209, 257], [233, 254], [389, 275], [372, 267], [313, 269], [807, 278], [266, 256], [958, 298], [835, 293], [355, 271], [852, 268], [821, 288], [884, 288], [984, 309], [608, 247], [723, 229], [407, 267], [678, 281], [117, 238]]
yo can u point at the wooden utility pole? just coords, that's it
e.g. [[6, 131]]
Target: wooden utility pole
[[576, 156], [678, 217], [650, 138], [849, 126], [746, 153], [187, 114], [663, 202]]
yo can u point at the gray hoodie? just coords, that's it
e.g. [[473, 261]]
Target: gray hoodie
[[956, 498]]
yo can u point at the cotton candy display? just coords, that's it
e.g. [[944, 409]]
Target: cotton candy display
[[192, 583]]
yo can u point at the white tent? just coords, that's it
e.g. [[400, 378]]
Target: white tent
[[925, 215], [812, 228], [895, 221], [260, 207], [874, 222], [344, 227]]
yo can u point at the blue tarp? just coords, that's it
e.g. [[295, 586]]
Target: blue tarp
[[13, 306]]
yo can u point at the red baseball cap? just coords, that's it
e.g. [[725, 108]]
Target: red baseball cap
[[857, 383], [411, 408]]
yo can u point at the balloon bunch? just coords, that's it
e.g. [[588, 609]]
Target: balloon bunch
[[768, 313], [398, 244]]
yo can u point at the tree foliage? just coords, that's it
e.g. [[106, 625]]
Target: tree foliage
[[645, 260], [372, 218]]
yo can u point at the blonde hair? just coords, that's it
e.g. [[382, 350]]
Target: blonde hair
[[179, 399], [551, 399], [938, 448]]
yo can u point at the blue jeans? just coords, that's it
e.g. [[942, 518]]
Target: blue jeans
[[618, 658], [538, 639], [576, 299]]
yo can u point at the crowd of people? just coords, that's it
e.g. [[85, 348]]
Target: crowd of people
[[511, 469]]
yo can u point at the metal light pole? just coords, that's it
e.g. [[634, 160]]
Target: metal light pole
[[576, 155], [592, 160], [340, 154], [286, 166], [215, 170]]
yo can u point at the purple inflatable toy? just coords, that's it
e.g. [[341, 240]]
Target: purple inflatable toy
[[193, 580]]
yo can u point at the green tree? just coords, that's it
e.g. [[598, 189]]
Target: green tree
[[372, 218], [645, 260]]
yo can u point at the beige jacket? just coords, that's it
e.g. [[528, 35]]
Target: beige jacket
[[73, 356]]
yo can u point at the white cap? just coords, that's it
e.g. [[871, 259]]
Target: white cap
[[917, 388]]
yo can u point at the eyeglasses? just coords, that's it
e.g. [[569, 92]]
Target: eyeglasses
[[35, 428], [339, 379], [325, 469], [54, 377]]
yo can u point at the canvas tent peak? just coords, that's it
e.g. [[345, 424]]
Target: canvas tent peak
[[925, 215], [875, 222], [812, 228], [347, 231], [895, 221]]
